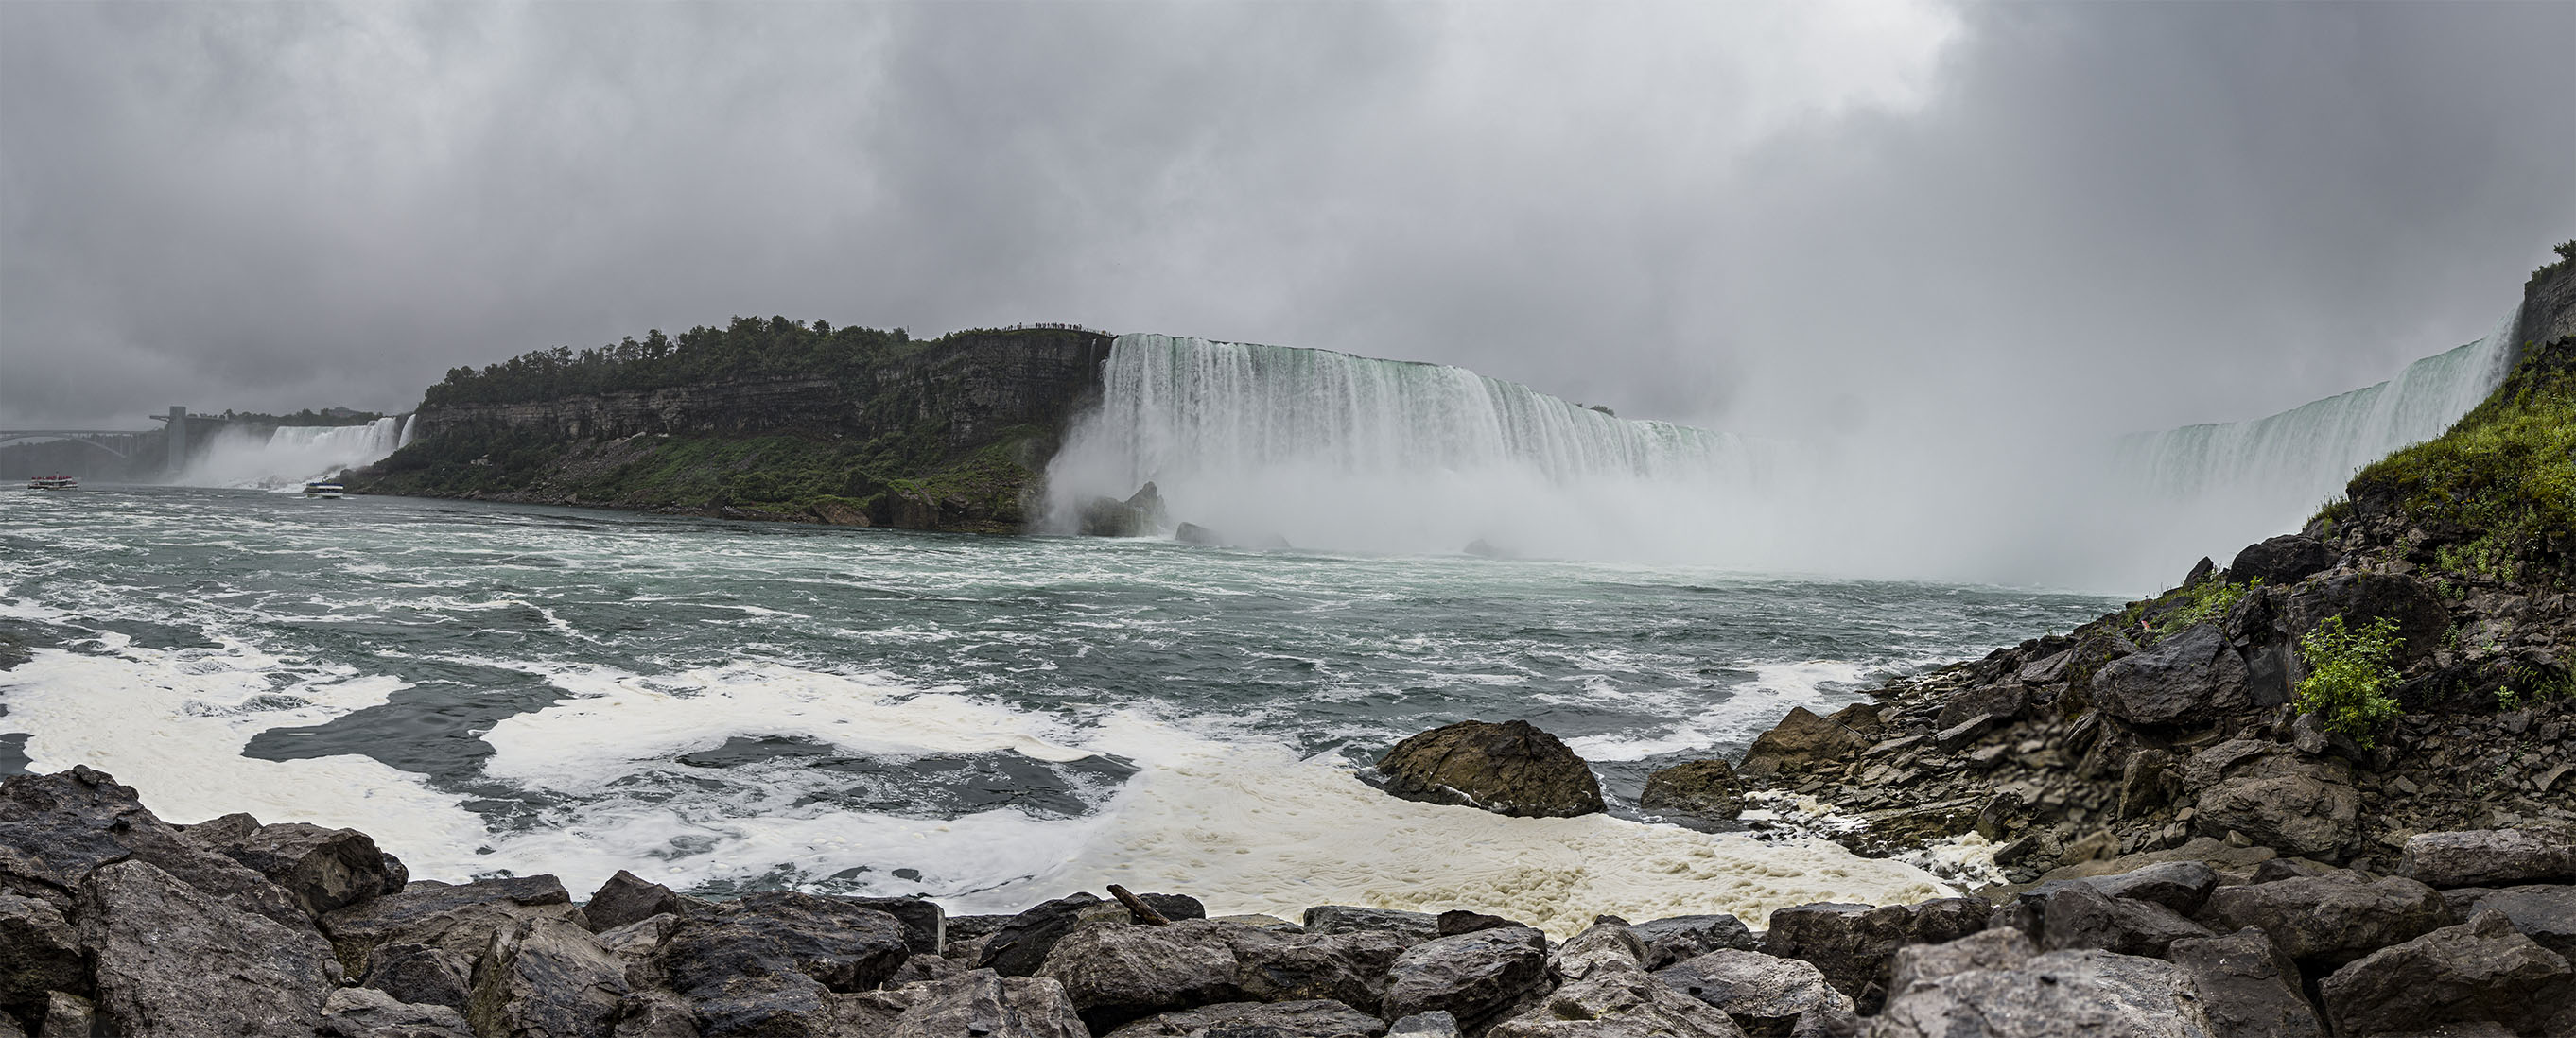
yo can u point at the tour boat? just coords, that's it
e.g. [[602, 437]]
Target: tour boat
[[322, 488], [53, 483]]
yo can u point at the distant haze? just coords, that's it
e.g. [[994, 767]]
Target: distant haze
[[2003, 220]]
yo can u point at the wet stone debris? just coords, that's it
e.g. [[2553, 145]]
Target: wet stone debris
[[113, 922]]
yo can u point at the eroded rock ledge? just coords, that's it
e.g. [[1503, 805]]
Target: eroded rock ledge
[[113, 922]]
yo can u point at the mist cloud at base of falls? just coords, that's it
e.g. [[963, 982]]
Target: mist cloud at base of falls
[[290, 455], [1331, 451]]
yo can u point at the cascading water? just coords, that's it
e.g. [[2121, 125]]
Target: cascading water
[[1332, 450], [289, 455]]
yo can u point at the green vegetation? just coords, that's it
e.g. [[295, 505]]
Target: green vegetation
[[2498, 491], [2350, 676], [2184, 607], [2537, 684], [2566, 257]]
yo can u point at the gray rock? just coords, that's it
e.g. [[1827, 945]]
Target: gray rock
[[2487, 858], [2546, 914], [1700, 788], [2416, 604], [322, 869], [1510, 768], [2094, 993], [1851, 944], [458, 918], [2079, 915], [1680, 937], [422, 975], [70, 1016], [1469, 975], [1762, 994], [2189, 678], [547, 978], [626, 898], [925, 924], [1989, 949], [1801, 742], [369, 1013], [2281, 561], [2327, 921], [2248, 987], [1458, 920], [1312, 1018], [655, 1014], [2003, 702], [55, 829], [1607, 993], [39, 955], [2480, 970], [2295, 804], [1350, 968], [984, 1003], [1413, 927], [172, 961], [1434, 1024], [639, 945], [779, 934], [1116, 973], [2179, 885], [1020, 945]]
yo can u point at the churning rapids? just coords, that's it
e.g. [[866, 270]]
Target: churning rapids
[[988, 721]]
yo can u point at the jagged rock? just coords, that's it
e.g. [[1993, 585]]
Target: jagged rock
[[2488, 858], [2248, 987], [1020, 945], [2179, 885], [1702, 788], [322, 869], [1412, 927], [2332, 919], [1313, 1018], [457, 918], [547, 978], [1458, 920], [2546, 914], [655, 1014], [1681, 937], [1349, 968], [2279, 798], [55, 829], [370, 1013], [840, 946], [925, 924], [983, 1003], [2094, 993], [2415, 603], [1851, 944], [1193, 533], [172, 961], [2281, 561], [1434, 1024], [1990, 949], [1510, 768], [1606, 993], [2148, 781], [2191, 677], [39, 954], [627, 898], [2077, 915], [1118, 973], [1801, 742], [923, 968], [1468, 975], [70, 1016], [2478, 970], [422, 975], [1765, 996], [2002, 701]]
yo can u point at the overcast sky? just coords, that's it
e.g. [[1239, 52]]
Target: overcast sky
[[1755, 216]]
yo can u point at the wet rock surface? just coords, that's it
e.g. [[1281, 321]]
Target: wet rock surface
[[1510, 768]]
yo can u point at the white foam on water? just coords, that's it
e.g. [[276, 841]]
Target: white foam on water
[[1748, 709]]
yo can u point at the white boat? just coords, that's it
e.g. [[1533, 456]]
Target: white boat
[[56, 482], [323, 488]]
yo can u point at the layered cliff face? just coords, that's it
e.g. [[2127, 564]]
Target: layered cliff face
[[2548, 305], [949, 435]]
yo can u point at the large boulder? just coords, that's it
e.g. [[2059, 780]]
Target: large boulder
[[370, 1013], [419, 974], [2480, 970], [1762, 994], [39, 955], [1996, 948], [1313, 1018], [982, 1003], [1510, 768], [2488, 858], [626, 898], [1851, 944], [1801, 742], [2094, 993], [2329, 920], [459, 918], [1682, 937], [2281, 561], [1413, 927], [1604, 991], [2190, 678], [2250, 989], [2546, 914], [1020, 944], [1468, 975], [547, 978], [173, 962], [762, 964], [322, 869], [55, 829], [1116, 973], [1700, 788], [2299, 805], [2414, 603], [2080, 915]]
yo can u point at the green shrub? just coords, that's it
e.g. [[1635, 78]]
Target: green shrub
[[2349, 676]]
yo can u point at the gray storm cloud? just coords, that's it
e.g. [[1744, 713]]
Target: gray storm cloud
[[1994, 218]]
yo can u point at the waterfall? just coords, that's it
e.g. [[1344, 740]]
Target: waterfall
[[289, 455], [1332, 450], [410, 431]]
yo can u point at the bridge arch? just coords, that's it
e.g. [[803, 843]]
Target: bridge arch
[[75, 437]]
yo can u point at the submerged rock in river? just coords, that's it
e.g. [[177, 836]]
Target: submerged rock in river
[[1510, 768]]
